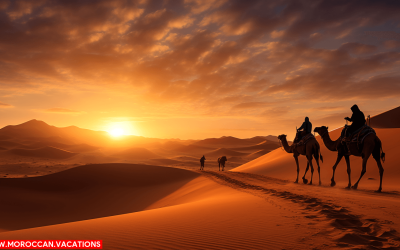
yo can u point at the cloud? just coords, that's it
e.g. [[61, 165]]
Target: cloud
[[5, 105], [205, 57], [358, 48], [63, 111], [250, 105]]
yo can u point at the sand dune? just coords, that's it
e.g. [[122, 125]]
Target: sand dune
[[172, 145], [10, 144], [258, 153], [186, 158], [164, 161], [80, 148], [234, 210], [85, 192], [229, 142], [388, 119], [136, 154], [192, 150], [224, 151], [200, 215], [45, 152], [265, 145]]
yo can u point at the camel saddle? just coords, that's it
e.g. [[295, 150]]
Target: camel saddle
[[304, 140], [356, 138]]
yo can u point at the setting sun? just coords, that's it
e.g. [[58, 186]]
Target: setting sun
[[116, 132], [119, 129]]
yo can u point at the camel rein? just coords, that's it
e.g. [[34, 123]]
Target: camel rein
[[280, 143]]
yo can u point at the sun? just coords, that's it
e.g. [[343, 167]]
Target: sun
[[120, 129], [117, 132]]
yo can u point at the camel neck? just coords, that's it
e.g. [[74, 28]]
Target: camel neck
[[286, 146], [331, 145]]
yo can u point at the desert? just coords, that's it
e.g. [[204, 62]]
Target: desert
[[200, 124], [156, 197]]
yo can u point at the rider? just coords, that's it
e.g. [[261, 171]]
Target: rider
[[357, 119], [306, 127], [202, 159]]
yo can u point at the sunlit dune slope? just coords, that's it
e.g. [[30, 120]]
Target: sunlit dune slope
[[200, 215], [45, 152], [258, 154], [85, 192], [265, 145], [282, 165]]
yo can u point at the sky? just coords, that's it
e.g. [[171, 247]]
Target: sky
[[196, 69]]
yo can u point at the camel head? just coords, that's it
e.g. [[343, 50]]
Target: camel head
[[321, 130], [282, 136]]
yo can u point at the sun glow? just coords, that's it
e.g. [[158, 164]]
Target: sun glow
[[120, 129], [116, 132]]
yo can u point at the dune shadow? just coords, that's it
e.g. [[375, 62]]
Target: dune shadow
[[85, 192]]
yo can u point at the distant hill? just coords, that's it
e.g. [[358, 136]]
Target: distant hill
[[46, 152], [35, 130], [224, 152], [136, 154], [265, 145], [10, 144]]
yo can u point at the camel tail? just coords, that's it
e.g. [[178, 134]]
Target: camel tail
[[382, 154]]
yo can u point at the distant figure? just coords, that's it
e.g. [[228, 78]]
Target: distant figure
[[304, 130], [202, 162], [357, 119], [221, 163]]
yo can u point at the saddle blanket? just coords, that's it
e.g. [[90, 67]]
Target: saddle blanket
[[358, 136], [305, 139]]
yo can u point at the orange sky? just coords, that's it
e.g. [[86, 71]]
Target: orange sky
[[197, 69]]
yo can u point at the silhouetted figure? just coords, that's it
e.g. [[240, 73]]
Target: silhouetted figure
[[221, 163], [305, 129], [202, 160], [357, 119]]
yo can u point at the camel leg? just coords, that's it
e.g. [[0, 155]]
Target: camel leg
[[309, 158], [347, 158], [339, 158], [376, 155], [298, 168], [364, 169], [319, 169], [305, 172]]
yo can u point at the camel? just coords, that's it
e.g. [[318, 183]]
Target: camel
[[221, 163], [310, 149], [371, 145]]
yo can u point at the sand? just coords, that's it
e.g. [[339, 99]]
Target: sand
[[201, 214]]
